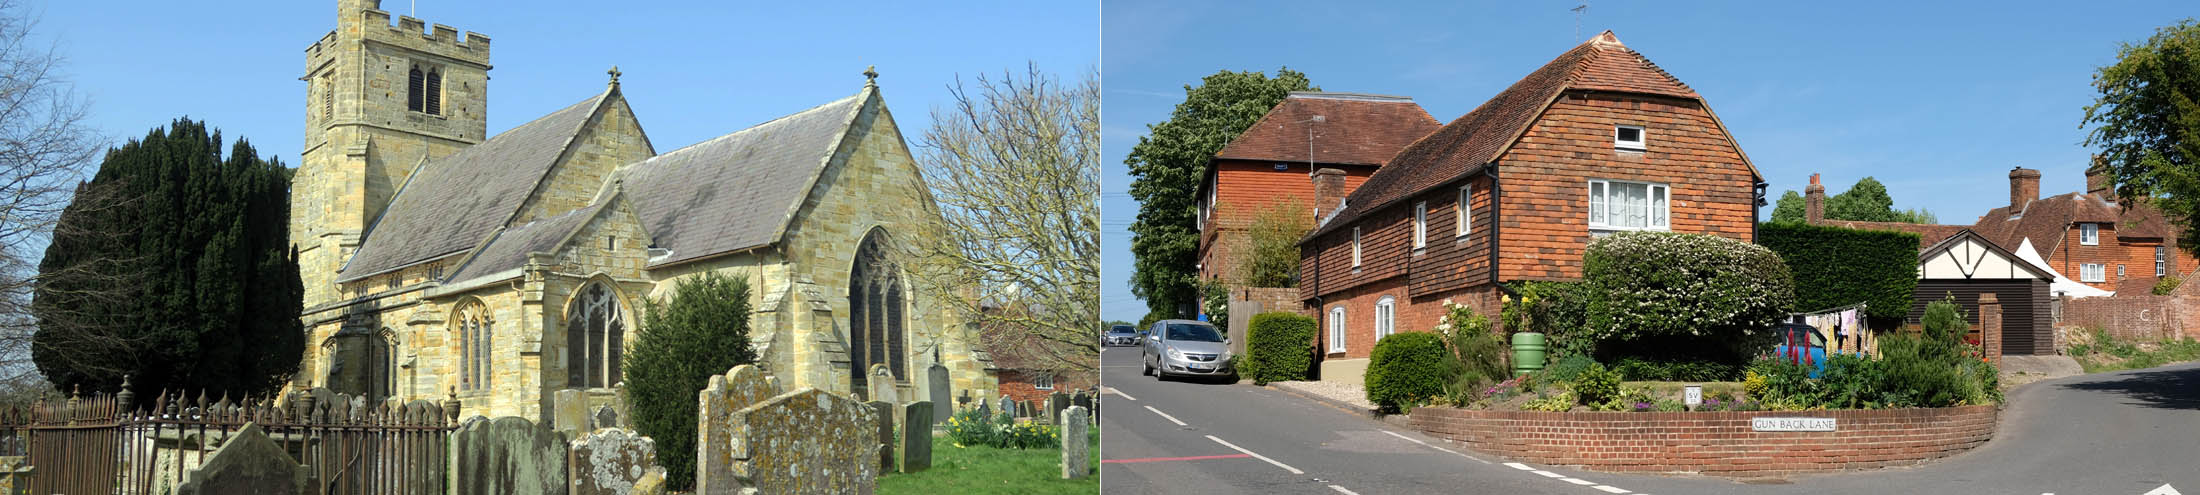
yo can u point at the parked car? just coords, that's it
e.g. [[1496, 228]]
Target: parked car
[[1120, 335], [1185, 348], [1801, 344]]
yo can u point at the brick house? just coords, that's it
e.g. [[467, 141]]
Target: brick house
[[1599, 140], [1030, 366], [2087, 235], [1269, 163]]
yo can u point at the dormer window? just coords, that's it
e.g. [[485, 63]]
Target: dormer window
[[1627, 137], [424, 90], [2089, 234]]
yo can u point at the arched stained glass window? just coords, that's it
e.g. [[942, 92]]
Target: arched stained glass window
[[595, 337], [877, 329]]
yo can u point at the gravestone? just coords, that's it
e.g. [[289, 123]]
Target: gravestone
[[1008, 406], [935, 378], [805, 441], [916, 443], [882, 385], [1076, 448], [740, 387], [610, 461], [606, 417], [1032, 410], [984, 411], [569, 413], [1081, 400], [1056, 402], [248, 462], [886, 438], [507, 455], [652, 483]]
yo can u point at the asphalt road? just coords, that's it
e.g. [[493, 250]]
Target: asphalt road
[[2119, 433]]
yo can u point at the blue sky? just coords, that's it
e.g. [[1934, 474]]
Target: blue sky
[[692, 69], [1936, 101]]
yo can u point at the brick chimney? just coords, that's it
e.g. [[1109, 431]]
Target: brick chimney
[[1328, 190], [2024, 186], [2098, 182], [1814, 201]]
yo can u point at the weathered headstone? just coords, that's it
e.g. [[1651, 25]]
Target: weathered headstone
[[606, 417], [886, 438], [805, 441], [941, 385], [1032, 410], [610, 461], [1081, 400], [652, 483], [882, 385], [740, 387], [248, 462], [1056, 402], [984, 411], [916, 443], [569, 413], [1008, 406], [507, 455], [1076, 449]]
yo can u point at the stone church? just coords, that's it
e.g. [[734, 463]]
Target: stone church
[[441, 261]]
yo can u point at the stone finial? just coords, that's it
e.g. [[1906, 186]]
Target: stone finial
[[614, 72], [870, 76]]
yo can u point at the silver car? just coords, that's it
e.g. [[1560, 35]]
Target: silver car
[[1186, 348], [1121, 335]]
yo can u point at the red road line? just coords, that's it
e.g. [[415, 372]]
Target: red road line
[[1163, 459]]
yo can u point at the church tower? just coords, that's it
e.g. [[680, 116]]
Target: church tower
[[380, 99]]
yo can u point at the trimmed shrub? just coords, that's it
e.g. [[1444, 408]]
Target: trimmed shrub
[[702, 331], [1407, 369], [1596, 385], [1278, 347], [1834, 266], [1717, 291]]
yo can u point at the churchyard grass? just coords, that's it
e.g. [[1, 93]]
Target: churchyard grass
[[992, 470]]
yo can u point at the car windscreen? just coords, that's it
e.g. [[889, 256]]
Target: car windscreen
[[1193, 333], [1121, 330]]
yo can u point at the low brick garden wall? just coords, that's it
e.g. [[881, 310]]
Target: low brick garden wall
[[1714, 443]]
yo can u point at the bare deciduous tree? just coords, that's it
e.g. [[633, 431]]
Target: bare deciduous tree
[[45, 148], [1015, 166]]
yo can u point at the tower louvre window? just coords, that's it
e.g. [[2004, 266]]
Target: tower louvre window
[[415, 90], [434, 95]]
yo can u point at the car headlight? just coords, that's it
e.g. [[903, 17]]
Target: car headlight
[[1176, 355]]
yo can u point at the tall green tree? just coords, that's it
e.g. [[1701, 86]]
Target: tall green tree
[[1789, 209], [1166, 166], [702, 331], [173, 266], [1867, 201], [2147, 122]]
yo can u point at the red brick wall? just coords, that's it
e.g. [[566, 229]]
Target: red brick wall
[[1242, 189], [1546, 176], [1412, 313], [1016, 384], [1714, 443], [2147, 318]]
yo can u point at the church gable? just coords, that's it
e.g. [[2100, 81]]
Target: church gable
[[873, 181], [740, 190], [612, 137]]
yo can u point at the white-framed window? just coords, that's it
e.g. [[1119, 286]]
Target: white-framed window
[[1336, 328], [1420, 225], [2119, 271], [1386, 321], [1355, 247], [1628, 137], [2089, 234], [1620, 205], [2091, 272], [1464, 213], [1043, 382], [2161, 260]]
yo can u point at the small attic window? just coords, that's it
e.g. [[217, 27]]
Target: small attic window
[[1627, 137]]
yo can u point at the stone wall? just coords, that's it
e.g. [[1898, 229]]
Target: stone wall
[[1714, 443]]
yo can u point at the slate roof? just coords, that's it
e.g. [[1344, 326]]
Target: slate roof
[[1357, 129], [1477, 138], [2044, 220], [739, 190], [450, 205], [510, 247]]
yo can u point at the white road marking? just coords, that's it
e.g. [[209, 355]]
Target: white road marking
[[1113, 390], [1285, 467], [1519, 466], [1578, 481], [2165, 489], [1609, 489], [1340, 489], [1547, 474], [1164, 415], [1426, 444]]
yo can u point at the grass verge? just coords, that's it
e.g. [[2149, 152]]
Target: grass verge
[[2104, 352], [986, 470]]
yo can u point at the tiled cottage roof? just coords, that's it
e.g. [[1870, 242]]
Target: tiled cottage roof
[[1479, 137], [1357, 129], [451, 204], [2044, 220], [739, 190]]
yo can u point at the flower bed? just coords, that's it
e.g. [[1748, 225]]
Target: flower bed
[[1722, 443]]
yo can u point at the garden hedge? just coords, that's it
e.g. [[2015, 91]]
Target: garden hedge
[[1836, 267], [1408, 368], [1279, 346], [1662, 285]]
